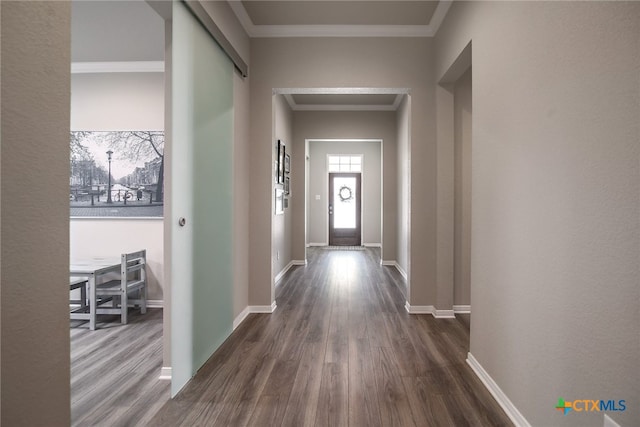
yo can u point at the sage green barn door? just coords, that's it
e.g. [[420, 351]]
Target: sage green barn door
[[201, 196]]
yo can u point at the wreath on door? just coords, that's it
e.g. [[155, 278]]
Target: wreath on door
[[345, 194]]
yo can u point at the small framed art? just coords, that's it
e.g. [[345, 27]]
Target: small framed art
[[279, 202]]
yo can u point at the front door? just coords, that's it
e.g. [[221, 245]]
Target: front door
[[344, 209]]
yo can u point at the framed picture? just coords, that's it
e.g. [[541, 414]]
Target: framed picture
[[286, 185], [281, 157], [277, 165], [287, 163], [279, 202], [286, 203], [116, 174]]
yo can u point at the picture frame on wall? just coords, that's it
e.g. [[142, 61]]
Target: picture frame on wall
[[281, 156], [279, 201], [287, 163], [116, 174], [277, 163], [286, 185]]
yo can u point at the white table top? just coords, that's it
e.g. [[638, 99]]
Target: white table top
[[93, 265]]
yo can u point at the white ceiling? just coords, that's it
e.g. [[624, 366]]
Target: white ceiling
[[111, 31], [344, 18]]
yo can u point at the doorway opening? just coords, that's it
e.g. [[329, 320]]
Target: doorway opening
[[344, 192]]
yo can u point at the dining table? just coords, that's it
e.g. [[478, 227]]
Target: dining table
[[92, 269]]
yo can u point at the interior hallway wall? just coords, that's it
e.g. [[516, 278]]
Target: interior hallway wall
[[555, 206], [281, 244], [34, 249], [462, 110], [343, 62], [403, 177], [347, 125], [241, 202], [117, 102]]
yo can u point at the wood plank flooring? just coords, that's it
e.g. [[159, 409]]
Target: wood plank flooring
[[340, 350], [115, 370]]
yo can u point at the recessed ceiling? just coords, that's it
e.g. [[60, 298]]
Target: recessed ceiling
[[329, 99], [332, 101], [416, 18], [340, 12]]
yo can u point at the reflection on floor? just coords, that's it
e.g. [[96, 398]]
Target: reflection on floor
[[340, 350]]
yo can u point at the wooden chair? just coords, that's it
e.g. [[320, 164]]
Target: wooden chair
[[79, 283], [132, 279]]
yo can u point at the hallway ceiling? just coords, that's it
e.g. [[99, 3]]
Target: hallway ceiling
[[344, 102], [344, 18]]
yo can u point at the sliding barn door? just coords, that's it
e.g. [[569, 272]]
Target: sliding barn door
[[201, 196]]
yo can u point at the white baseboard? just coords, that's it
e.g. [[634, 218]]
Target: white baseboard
[[155, 303], [165, 373], [240, 318], [372, 245], [282, 273], [395, 264], [317, 244], [262, 308], [443, 314], [402, 272], [429, 309], [299, 262], [509, 408], [462, 309], [419, 309]]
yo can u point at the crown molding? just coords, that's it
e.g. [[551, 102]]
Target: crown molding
[[265, 31]]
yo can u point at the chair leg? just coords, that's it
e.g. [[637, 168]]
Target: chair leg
[[124, 307], [143, 297], [83, 296]]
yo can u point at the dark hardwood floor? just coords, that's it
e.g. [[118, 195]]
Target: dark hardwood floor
[[115, 370], [340, 350]]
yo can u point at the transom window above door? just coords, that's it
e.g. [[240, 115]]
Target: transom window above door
[[345, 163]]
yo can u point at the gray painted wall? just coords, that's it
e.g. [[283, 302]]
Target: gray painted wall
[[281, 234], [462, 190], [403, 174], [34, 250], [317, 212], [556, 176]]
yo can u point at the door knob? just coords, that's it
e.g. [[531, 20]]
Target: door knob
[[182, 222]]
